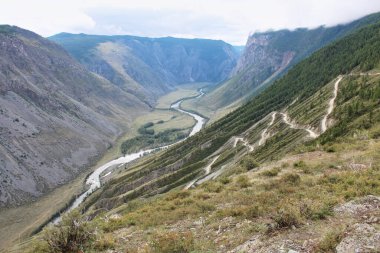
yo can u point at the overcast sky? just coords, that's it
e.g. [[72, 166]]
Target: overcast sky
[[229, 20]]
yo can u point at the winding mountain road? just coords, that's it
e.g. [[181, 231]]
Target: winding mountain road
[[207, 170], [264, 134], [331, 105]]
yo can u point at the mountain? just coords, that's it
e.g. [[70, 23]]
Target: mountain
[[56, 117], [150, 67], [295, 168], [269, 55], [301, 88]]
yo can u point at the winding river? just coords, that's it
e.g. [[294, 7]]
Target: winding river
[[93, 180]]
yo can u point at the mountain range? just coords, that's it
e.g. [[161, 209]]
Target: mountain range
[[291, 163], [151, 67]]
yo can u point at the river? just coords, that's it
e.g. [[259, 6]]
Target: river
[[93, 180]]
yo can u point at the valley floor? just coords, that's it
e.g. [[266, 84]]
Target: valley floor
[[18, 223]]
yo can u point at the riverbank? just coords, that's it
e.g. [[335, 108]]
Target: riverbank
[[94, 180], [17, 224]]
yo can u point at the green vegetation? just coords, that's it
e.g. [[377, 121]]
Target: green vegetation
[[151, 140]]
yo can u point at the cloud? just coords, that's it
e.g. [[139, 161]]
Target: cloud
[[229, 20]]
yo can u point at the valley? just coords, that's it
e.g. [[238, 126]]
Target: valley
[[123, 143], [62, 198]]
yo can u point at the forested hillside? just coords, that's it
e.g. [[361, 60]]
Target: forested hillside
[[267, 57]]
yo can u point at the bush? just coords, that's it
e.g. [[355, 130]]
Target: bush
[[291, 178], [271, 173], [287, 217], [250, 163], [243, 181], [173, 242], [330, 149], [213, 186], [105, 242], [225, 180], [330, 241], [299, 164], [71, 235], [253, 212]]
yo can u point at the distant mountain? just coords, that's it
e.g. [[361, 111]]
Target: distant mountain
[[270, 55], [55, 115], [149, 67]]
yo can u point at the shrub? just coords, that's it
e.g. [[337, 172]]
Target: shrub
[[72, 234], [299, 164], [253, 211], [250, 163], [287, 217], [178, 195], [330, 241], [284, 165], [291, 178], [172, 242], [212, 186], [105, 242], [243, 181], [330, 149], [225, 180], [271, 173]]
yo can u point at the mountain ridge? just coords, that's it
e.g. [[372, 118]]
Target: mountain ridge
[[268, 56], [151, 64], [56, 116]]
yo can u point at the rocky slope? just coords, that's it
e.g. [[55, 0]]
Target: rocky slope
[[149, 67], [269, 55], [56, 116]]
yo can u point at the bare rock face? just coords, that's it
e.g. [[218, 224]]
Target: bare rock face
[[56, 117], [361, 238], [359, 206]]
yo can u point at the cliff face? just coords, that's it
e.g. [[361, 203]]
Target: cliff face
[[56, 117], [269, 55], [149, 67]]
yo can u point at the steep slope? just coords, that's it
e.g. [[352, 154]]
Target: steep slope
[[267, 56], [149, 67], [304, 87], [56, 117]]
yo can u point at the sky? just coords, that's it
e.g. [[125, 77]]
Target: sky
[[228, 20]]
